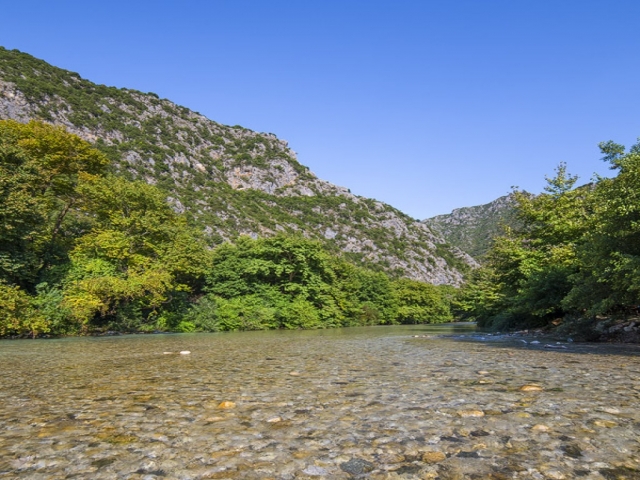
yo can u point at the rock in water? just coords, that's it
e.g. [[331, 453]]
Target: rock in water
[[314, 471], [531, 388], [471, 413], [356, 466], [433, 457]]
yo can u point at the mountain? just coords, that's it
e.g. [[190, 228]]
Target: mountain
[[472, 229], [229, 180]]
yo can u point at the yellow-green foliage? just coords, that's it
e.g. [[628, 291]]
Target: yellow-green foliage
[[39, 170], [137, 251], [420, 302], [17, 314]]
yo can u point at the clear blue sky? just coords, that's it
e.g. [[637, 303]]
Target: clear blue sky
[[426, 105]]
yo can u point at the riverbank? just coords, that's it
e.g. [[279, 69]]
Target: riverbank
[[598, 329]]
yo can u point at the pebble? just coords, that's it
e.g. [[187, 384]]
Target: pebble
[[531, 388], [314, 471], [611, 410], [226, 405], [357, 466], [605, 423], [540, 428], [185, 352], [470, 413], [433, 457]]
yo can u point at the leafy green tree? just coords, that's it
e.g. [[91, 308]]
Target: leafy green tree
[[365, 297], [137, 255], [39, 170], [528, 269], [17, 313], [481, 298], [282, 271], [290, 282], [420, 302], [608, 276]]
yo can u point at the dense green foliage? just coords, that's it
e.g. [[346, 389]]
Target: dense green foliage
[[291, 282], [82, 250], [575, 255]]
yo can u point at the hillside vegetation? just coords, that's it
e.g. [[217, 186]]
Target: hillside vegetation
[[472, 229], [227, 181], [573, 260]]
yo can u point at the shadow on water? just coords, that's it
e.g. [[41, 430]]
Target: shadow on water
[[545, 344]]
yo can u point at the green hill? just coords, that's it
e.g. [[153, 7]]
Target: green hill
[[472, 229], [230, 181]]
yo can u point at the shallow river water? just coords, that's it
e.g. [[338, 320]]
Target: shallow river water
[[377, 402]]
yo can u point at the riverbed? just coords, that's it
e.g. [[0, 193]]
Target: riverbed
[[378, 402]]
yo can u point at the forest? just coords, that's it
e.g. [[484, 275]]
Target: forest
[[571, 259], [85, 251]]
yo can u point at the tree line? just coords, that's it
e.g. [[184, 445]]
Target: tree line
[[573, 256], [83, 250]]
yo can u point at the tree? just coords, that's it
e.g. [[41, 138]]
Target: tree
[[17, 313], [39, 170], [419, 302], [529, 268], [608, 276], [136, 257]]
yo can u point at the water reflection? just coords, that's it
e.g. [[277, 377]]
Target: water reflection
[[401, 401]]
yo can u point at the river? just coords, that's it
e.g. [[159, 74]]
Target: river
[[378, 402]]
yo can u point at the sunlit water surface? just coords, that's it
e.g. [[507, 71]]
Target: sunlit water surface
[[374, 402]]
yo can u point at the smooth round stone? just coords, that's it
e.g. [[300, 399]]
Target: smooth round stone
[[226, 405], [531, 388], [470, 413], [540, 428], [274, 420], [433, 457]]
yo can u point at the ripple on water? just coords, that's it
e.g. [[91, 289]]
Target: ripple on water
[[395, 402]]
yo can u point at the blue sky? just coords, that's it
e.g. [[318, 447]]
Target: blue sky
[[425, 105]]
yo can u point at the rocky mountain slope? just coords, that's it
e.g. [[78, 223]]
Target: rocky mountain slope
[[472, 229], [229, 180]]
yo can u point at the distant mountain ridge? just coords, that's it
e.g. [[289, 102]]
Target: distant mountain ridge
[[229, 180], [472, 229]]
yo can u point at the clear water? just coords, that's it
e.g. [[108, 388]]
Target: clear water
[[373, 402]]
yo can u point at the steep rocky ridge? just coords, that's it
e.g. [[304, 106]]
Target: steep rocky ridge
[[229, 180], [472, 229]]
